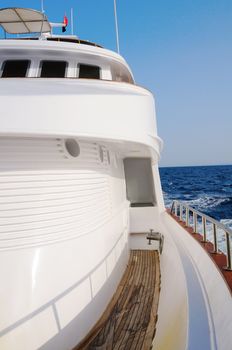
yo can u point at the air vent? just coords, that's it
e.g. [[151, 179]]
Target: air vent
[[101, 154]]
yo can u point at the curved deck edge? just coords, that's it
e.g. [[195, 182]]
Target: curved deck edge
[[218, 258]]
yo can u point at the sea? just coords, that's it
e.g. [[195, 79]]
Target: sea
[[205, 188]]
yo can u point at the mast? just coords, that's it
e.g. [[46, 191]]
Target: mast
[[116, 25], [71, 15], [42, 5]]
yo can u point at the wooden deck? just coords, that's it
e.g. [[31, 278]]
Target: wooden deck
[[129, 321]]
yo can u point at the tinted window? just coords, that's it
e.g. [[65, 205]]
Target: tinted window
[[15, 68], [121, 73], [53, 69], [89, 72]]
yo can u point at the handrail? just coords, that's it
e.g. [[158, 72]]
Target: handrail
[[178, 208]]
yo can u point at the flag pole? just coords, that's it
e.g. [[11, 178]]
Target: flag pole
[[42, 6], [116, 25], [71, 15]]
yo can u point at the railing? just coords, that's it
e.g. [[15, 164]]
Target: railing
[[194, 219]]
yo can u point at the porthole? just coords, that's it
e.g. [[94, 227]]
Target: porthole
[[101, 154], [72, 147]]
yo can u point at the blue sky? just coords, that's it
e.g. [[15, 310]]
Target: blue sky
[[182, 52]]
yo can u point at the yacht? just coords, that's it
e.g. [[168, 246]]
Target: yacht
[[90, 258]]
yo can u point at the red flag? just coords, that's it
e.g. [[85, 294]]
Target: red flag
[[65, 23]]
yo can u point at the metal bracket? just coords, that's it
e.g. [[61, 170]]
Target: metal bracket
[[156, 236]]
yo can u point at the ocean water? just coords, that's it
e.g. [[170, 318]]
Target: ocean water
[[205, 188]]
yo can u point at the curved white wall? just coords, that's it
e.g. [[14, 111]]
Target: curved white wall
[[80, 108], [63, 240]]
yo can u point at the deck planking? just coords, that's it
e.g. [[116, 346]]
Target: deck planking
[[129, 322]]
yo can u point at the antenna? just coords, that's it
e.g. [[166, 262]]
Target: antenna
[[71, 15], [116, 25], [42, 5]]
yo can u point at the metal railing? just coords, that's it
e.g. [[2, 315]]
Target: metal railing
[[194, 219]]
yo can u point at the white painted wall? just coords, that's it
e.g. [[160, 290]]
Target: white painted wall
[[63, 240], [79, 108]]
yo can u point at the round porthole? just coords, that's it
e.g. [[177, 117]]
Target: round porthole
[[72, 147], [101, 154]]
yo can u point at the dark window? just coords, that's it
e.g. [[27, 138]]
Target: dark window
[[15, 68], [89, 72], [120, 73], [53, 69]]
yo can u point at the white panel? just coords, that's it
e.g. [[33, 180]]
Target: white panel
[[111, 262], [73, 303], [98, 278], [140, 241], [117, 181], [118, 249], [32, 334]]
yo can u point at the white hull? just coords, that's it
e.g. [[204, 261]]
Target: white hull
[[65, 225], [65, 219], [73, 154]]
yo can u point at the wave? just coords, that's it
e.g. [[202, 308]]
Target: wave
[[208, 202], [227, 223], [205, 203], [167, 200]]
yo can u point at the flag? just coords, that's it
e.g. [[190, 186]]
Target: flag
[[65, 23]]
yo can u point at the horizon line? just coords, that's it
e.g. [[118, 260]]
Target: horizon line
[[194, 165]]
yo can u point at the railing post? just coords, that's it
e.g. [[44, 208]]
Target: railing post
[[176, 208], [187, 216], [204, 228], [181, 212], [228, 252], [194, 222], [215, 248], [172, 207]]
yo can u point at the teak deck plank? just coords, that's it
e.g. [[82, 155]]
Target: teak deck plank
[[129, 321], [147, 312], [130, 325], [124, 328], [139, 325], [150, 332]]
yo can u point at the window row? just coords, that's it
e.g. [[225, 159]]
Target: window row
[[48, 69], [58, 69]]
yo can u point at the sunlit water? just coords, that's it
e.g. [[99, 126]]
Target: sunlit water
[[207, 189]]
